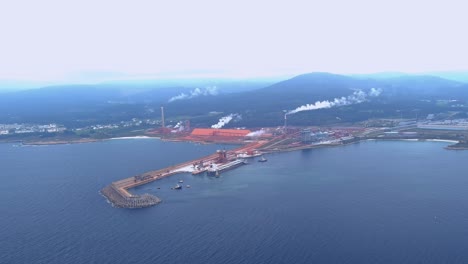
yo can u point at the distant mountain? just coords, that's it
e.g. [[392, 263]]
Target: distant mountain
[[379, 75], [265, 106], [459, 76], [424, 87], [319, 86], [104, 102], [306, 88], [14, 85], [326, 86], [259, 103]]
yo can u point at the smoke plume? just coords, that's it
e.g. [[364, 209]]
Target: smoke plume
[[179, 126], [375, 92], [211, 90], [226, 119], [357, 97], [256, 133]]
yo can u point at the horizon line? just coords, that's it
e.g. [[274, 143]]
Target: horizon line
[[126, 78]]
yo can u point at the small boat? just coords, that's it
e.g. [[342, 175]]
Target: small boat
[[188, 186], [262, 159], [181, 181], [177, 187]]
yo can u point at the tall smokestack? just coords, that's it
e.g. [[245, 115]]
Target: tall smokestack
[[162, 117]]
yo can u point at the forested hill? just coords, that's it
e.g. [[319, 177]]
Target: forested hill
[[259, 103]]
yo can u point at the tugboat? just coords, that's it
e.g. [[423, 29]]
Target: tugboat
[[177, 187], [262, 159]]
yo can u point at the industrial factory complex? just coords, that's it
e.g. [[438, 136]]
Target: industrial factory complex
[[261, 141]]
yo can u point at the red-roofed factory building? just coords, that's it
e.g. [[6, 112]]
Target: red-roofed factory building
[[213, 132], [217, 135]]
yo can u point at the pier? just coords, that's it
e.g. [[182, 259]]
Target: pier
[[118, 192]]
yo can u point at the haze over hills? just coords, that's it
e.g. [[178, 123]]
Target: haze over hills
[[460, 76], [261, 103], [107, 101]]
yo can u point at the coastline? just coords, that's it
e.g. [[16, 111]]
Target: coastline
[[454, 144], [413, 139], [77, 141], [118, 192], [58, 142], [440, 140], [134, 137]]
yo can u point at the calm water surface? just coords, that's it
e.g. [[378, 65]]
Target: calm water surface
[[373, 202]]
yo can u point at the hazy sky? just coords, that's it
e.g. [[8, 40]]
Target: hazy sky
[[94, 40]]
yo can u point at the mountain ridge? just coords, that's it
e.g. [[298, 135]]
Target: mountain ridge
[[257, 105]]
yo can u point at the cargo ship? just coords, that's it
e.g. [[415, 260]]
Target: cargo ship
[[249, 154], [215, 169]]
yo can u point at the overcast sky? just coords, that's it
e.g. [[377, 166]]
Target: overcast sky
[[93, 40]]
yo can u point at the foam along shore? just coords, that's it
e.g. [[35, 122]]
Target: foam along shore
[[77, 141], [57, 142], [188, 168], [415, 139], [443, 140], [430, 140], [135, 137]]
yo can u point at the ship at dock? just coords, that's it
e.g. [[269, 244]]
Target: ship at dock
[[119, 195], [216, 169], [249, 154]]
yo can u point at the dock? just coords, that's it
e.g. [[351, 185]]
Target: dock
[[118, 193]]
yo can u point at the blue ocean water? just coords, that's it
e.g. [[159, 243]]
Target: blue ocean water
[[373, 202]]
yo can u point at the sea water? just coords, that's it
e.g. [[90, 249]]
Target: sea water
[[372, 202]]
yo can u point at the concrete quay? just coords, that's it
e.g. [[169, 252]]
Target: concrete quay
[[118, 192]]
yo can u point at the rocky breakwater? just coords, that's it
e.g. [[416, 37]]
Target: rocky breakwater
[[126, 200]]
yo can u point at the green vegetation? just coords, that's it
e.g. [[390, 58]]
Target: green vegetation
[[403, 96]]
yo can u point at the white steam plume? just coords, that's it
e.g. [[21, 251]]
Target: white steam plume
[[375, 92], [179, 126], [256, 133], [226, 119], [210, 90], [357, 97]]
